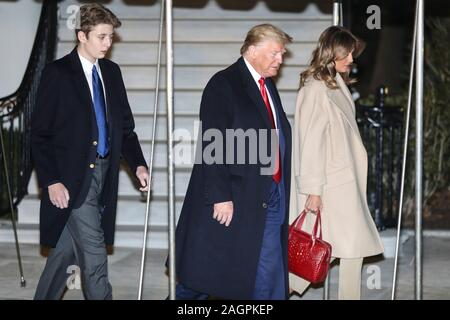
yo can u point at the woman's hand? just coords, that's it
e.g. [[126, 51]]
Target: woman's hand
[[313, 203]]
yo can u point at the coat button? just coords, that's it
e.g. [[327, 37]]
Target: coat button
[[94, 143], [264, 205], [92, 166]]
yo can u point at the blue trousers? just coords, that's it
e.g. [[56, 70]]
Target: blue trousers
[[270, 277]]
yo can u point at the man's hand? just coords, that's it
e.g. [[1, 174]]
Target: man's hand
[[223, 212], [313, 203], [58, 195], [143, 177]]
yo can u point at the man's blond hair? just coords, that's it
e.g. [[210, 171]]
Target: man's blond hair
[[262, 32]]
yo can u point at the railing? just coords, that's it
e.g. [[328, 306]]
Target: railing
[[382, 132], [16, 110]]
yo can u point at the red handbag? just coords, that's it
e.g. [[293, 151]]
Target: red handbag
[[308, 255]]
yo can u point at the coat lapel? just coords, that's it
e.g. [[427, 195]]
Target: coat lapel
[[253, 92], [342, 99], [282, 119], [275, 97], [283, 122], [345, 91], [81, 84]]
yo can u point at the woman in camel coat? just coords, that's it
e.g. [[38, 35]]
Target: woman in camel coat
[[329, 164]]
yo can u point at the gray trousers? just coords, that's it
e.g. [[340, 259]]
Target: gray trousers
[[81, 245]]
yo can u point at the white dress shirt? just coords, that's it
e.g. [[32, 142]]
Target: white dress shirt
[[256, 76]]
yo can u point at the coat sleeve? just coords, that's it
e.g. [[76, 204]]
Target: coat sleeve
[[42, 127], [215, 117], [131, 149], [311, 140]]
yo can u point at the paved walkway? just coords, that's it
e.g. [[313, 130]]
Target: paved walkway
[[124, 273]]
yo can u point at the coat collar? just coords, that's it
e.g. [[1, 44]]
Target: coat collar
[[343, 100], [81, 83], [345, 90]]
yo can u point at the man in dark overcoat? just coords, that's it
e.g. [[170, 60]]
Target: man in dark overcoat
[[80, 128], [231, 237]]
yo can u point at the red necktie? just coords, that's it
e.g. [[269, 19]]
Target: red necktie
[[262, 87]]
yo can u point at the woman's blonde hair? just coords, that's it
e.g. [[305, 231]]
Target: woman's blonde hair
[[335, 43]]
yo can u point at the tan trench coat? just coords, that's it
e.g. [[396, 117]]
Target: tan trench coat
[[329, 159]]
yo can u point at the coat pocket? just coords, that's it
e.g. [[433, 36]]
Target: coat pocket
[[339, 177]]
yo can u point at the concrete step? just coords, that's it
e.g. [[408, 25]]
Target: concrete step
[[231, 9], [184, 126], [194, 78], [125, 236], [130, 211], [188, 54], [214, 30], [131, 236], [127, 186], [187, 103], [160, 155]]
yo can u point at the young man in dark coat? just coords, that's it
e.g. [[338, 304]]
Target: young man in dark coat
[[81, 126]]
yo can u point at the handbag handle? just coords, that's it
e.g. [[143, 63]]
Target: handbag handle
[[298, 223]]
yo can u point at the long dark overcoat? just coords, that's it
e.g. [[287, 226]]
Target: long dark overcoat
[[64, 134]]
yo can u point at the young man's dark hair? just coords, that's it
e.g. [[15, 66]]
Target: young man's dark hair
[[94, 14]]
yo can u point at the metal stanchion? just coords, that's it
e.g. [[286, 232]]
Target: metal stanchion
[[337, 13], [337, 21], [405, 149], [171, 184], [419, 148], [155, 109]]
